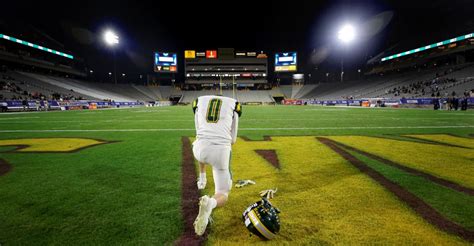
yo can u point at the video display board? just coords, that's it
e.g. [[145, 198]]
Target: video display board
[[166, 62], [286, 62]]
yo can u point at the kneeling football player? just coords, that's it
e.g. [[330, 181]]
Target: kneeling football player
[[216, 119]]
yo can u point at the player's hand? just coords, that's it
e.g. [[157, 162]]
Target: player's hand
[[268, 193], [243, 182]]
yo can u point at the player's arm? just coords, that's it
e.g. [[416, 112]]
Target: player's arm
[[196, 122], [235, 127], [238, 108], [195, 105], [235, 121]]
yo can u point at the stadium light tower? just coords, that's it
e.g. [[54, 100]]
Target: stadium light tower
[[111, 39], [345, 35]]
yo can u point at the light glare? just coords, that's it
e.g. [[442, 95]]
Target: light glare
[[111, 38], [346, 34]]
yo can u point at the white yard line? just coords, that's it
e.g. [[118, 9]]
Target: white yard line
[[19, 118], [241, 129], [15, 120]]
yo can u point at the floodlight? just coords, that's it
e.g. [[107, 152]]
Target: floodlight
[[346, 34], [111, 38]]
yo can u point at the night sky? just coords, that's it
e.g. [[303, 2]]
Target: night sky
[[308, 27]]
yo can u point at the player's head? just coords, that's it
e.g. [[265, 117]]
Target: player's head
[[261, 219]]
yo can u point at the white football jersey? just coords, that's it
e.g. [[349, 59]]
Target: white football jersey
[[216, 119]]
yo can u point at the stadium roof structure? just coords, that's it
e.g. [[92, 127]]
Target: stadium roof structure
[[26, 43], [430, 46]]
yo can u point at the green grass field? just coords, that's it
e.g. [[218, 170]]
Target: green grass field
[[114, 176]]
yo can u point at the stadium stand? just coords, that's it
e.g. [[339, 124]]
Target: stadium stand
[[168, 91], [50, 91], [286, 90], [151, 95], [91, 91], [27, 85], [438, 73], [398, 85], [428, 83], [126, 92], [434, 82], [299, 91], [155, 91]]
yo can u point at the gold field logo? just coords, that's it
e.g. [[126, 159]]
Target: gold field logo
[[328, 177], [44, 145]]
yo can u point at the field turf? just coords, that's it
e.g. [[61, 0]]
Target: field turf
[[344, 176]]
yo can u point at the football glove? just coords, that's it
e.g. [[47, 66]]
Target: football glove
[[243, 182], [268, 193]]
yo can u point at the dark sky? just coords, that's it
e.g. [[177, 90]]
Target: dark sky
[[172, 25]]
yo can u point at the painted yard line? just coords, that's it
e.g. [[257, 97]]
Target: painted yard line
[[192, 120], [242, 129], [18, 118], [451, 113], [151, 111], [85, 121], [360, 127]]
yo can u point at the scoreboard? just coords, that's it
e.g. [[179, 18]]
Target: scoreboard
[[226, 66], [286, 62], [166, 62]]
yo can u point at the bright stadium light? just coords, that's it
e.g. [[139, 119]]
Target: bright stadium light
[[346, 34], [111, 38]]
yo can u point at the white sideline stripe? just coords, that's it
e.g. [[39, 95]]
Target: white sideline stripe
[[242, 129], [6, 120], [19, 118]]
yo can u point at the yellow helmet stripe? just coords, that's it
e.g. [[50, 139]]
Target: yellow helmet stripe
[[260, 226]]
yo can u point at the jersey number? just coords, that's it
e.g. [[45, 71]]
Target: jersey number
[[214, 110]]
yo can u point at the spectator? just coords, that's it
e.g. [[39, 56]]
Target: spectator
[[436, 104], [455, 103], [464, 103], [25, 105], [3, 106]]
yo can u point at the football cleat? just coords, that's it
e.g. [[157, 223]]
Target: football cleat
[[201, 183], [202, 219]]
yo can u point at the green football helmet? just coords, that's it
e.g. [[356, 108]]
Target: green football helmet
[[261, 219]]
